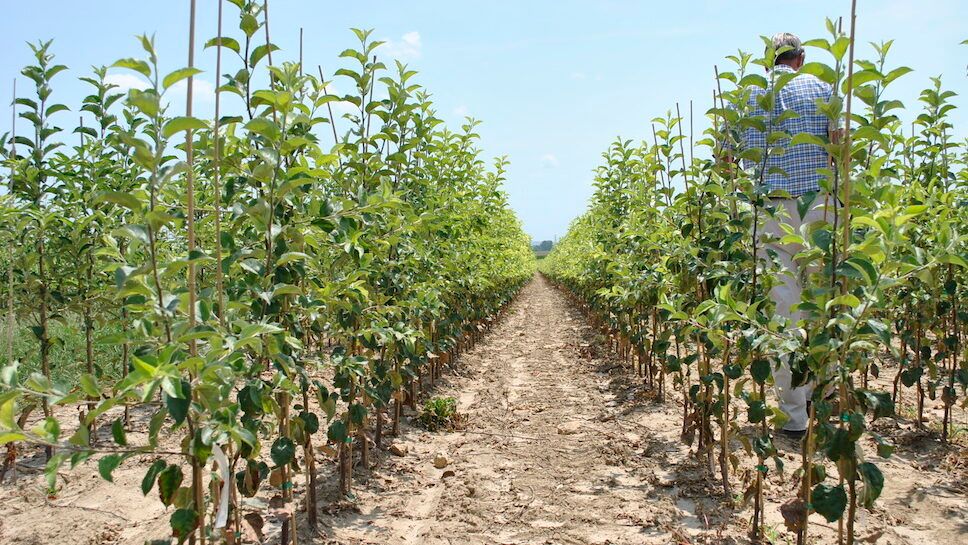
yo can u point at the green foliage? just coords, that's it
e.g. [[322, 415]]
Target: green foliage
[[670, 257], [362, 247], [829, 501], [440, 413]]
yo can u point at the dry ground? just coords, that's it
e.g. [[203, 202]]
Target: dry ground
[[562, 446]]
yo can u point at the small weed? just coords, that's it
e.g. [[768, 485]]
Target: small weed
[[440, 413]]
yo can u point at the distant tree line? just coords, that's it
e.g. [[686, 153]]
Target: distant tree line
[[543, 246]]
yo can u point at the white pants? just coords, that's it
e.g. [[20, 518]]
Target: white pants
[[793, 401]]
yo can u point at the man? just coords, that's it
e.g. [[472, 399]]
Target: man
[[792, 169]]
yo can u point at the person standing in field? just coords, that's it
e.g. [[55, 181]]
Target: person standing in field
[[789, 171]]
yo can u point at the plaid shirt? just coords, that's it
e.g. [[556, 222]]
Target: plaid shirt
[[799, 162]]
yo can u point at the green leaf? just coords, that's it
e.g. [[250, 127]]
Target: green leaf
[[328, 405], [911, 375], [89, 385], [149, 103], [284, 289], [252, 330], [50, 470], [805, 202], [169, 479], [818, 42], [829, 501], [180, 124], [137, 65], [337, 432], [283, 451], [819, 70], [178, 406], [896, 73], [148, 482], [756, 411], [848, 300], [86, 131], [183, 523], [7, 420], [10, 437], [126, 200], [760, 370], [357, 413], [259, 52], [840, 446], [226, 42], [953, 259], [290, 257], [873, 483], [839, 47], [179, 75], [118, 433], [311, 421], [807, 138], [249, 24], [860, 78], [264, 127], [54, 108], [865, 267], [107, 465], [879, 403], [884, 449]]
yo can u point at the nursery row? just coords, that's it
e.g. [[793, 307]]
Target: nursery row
[[267, 283], [674, 262]]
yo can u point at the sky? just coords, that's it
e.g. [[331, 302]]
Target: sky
[[554, 82]]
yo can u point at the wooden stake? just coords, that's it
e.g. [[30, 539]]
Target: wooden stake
[[13, 155], [197, 485], [682, 150], [692, 150], [288, 533], [847, 137], [235, 517], [275, 118], [190, 181], [87, 315], [662, 178], [217, 175], [329, 105]]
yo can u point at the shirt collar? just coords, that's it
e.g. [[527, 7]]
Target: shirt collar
[[783, 68]]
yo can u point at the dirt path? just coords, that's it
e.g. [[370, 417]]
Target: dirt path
[[540, 461]]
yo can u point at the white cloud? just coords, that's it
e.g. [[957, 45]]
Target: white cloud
[[203, 92], [549, 160], [578, 75], [461, 111], [126, 82], [406, 48]]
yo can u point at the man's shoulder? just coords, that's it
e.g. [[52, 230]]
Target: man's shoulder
[[809, 82]]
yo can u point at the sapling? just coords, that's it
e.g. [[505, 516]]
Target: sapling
[[37, 185]]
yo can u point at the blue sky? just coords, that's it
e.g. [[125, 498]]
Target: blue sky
[[554, 81]]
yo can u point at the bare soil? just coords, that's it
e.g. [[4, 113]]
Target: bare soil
[[562, 445]]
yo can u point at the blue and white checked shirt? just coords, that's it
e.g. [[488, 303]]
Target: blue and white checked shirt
[[799, 162]]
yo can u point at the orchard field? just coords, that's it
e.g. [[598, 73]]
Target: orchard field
[[314, 317]]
